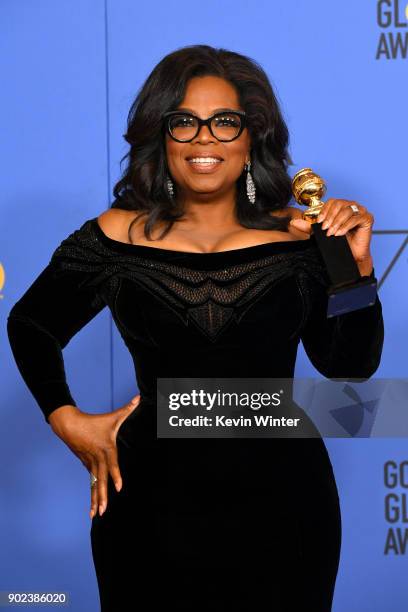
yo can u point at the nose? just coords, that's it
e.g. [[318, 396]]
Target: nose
[[204, 135]]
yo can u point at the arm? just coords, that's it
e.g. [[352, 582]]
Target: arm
[[346, 346], [41, 323]]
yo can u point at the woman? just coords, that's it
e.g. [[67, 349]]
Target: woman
[[208, 273]]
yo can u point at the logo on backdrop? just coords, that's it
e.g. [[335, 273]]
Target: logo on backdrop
[[395, 507], [392, 19]]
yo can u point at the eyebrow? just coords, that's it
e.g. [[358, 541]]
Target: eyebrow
[[216, 110]]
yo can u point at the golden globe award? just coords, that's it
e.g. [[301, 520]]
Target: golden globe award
[[348, 290]]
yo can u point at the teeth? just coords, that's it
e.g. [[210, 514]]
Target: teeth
[[204, 160]]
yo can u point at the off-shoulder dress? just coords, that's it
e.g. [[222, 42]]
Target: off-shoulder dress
[[203, 524]]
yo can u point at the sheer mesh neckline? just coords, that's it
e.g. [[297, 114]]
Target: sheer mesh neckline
[[256, 249]]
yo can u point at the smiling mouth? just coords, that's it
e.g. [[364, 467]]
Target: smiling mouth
[[204, 160], [204, 165]]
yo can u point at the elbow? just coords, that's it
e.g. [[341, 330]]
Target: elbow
[[16, 313], [357, 367], [16, 332], [347, 374], [13, 320], [357, 374]]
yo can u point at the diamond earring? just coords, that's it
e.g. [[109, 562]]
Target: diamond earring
[[170, 187], [250, 185]]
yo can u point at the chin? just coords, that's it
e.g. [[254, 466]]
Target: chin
[[204, 186]]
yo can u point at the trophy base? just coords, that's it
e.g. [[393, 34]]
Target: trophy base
[[359, 294]]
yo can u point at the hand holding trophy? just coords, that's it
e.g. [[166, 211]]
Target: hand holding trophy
[[349, 290]]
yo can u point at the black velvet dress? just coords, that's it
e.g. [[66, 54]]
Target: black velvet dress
[[203, 524]]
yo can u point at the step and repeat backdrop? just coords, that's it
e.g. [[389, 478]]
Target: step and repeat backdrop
[[70, 71]]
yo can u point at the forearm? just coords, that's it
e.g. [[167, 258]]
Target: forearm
[[347, 345]]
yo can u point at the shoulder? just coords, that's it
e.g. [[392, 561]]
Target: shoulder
[[115, 222]]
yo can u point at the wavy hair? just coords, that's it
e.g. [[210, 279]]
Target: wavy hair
[[142, 186]]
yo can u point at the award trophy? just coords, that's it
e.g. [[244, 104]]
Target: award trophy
[[348, 290]]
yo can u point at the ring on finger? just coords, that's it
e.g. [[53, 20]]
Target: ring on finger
[[354, 208], [94, 480]]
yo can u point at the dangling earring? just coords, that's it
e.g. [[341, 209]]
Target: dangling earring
[[250, 185], [170, 187]]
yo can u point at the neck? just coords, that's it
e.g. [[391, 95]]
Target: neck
[[209, 210]]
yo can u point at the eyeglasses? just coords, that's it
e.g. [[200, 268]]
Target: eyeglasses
[[224, 126]]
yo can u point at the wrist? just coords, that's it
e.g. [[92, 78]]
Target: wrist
[[365, 265], [60, 414]]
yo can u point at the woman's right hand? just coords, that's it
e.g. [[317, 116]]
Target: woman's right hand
[[92, 437]]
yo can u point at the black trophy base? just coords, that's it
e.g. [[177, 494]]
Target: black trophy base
[[349, 290]]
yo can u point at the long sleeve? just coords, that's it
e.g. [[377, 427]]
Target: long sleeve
[[345, 346], [60, 301]]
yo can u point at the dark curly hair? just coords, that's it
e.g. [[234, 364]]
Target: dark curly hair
[[143, 183]]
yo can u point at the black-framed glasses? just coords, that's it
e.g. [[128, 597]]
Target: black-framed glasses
[[224, 126]]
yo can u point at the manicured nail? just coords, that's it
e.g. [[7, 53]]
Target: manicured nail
[[325, 225], [320, 218], [118, 486], [101, 510]]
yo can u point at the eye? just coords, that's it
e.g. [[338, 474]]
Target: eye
[[227, 121], [181, 121]]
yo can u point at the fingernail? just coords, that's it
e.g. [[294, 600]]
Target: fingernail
[[320, 218], [101, 510], [118, 486], [134, 399], [325, 225]]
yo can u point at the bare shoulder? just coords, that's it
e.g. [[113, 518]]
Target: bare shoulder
[[114, 222]]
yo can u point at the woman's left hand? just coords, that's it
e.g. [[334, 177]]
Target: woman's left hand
[[339, 220]]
